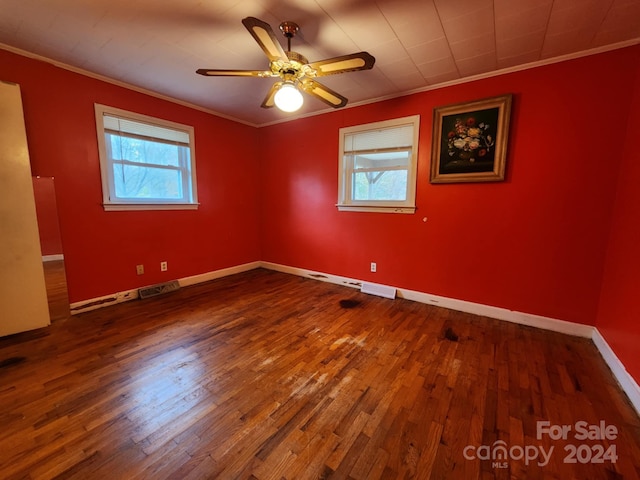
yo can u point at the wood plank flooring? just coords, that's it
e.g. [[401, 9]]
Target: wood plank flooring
[[57, 295], [264, 375]]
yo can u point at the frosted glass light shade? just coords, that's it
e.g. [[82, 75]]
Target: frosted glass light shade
[[288, 98]]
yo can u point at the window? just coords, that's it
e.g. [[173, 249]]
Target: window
[[378, 166], [146, 163]]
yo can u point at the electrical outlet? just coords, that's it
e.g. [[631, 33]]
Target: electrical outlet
[[374, 267], [140, 269], [163, 266]]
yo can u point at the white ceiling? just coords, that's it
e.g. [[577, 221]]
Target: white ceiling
[[158, 44]]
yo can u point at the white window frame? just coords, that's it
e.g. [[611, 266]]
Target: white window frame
[[109, 198], [346, 202]]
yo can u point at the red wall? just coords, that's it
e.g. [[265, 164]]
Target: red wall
[[534, 243], [102, 248], [619, 313], [44, 193]]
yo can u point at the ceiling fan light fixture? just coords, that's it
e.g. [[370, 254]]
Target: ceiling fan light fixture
[[288, 98], [297, 75]]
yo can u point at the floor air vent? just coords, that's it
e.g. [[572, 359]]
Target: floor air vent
[[158, 289], [380, 290]]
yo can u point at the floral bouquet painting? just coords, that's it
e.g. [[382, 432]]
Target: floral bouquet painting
[[469, 142], [469, 139]]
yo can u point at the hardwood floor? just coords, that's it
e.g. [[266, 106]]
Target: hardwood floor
[[264, 375]]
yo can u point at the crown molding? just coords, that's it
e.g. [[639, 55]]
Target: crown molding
[[119, 83]]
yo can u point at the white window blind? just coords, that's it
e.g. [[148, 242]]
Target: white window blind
[[383, 139], [144, 130]]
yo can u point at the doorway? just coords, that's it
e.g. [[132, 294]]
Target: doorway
[[51, 245]]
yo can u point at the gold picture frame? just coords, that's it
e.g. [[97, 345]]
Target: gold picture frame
[[470, 141]]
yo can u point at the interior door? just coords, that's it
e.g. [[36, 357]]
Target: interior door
[[23, 295]]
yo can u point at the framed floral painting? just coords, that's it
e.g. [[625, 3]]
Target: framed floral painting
[[470, 141]]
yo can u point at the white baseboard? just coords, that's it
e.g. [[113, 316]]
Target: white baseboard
[[528, 319], [224, 272], [625, 379], [103, 301], [125, 296], [52, 258], [324, 277]]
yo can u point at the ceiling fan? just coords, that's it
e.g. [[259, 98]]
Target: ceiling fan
[[295, 72]]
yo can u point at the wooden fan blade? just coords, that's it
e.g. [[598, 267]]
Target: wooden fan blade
[[323, 93], [234, 73], [269, 100], [263, 34], [345, 63]]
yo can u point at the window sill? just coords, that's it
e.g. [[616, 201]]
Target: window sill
[[375, 208], [119, 207]]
